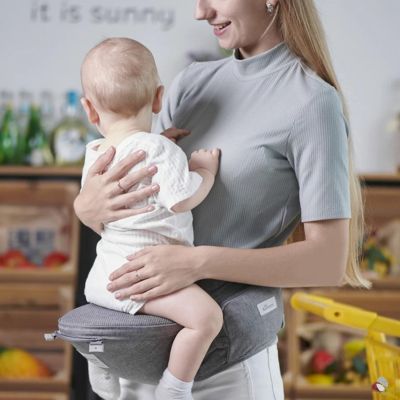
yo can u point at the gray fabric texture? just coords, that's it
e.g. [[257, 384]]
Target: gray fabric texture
[[283, 141], [137, 347]]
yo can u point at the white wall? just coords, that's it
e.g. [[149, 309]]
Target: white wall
[[362, 35], [42, 43]]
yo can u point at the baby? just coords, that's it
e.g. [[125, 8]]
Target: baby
[[121, 90]]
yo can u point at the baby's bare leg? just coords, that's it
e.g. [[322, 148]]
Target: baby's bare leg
[[202, 320]]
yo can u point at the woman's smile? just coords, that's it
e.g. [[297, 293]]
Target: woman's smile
[[220, 29]]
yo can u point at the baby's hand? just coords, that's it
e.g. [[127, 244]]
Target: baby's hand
[[206, 159]]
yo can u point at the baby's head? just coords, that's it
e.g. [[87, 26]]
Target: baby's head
[[119, 76]]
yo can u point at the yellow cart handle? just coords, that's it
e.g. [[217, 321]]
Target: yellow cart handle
[[345, 315]]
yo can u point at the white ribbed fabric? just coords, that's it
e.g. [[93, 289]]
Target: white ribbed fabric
[[161, 226]]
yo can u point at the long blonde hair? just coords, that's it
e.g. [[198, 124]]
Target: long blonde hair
[[299, 23]]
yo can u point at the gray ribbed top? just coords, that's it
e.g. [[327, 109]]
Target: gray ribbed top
[[283, 142]]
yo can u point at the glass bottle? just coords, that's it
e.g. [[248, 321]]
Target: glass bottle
[[6, 98], [47, 111], [37, 148], [69, 137], [24, 104], [8, 137]]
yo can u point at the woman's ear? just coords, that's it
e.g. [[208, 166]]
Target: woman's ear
[[157, 102], [90, 111]]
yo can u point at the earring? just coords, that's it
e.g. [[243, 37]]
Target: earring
[[270, 7]]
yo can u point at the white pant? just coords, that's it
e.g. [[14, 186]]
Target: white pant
[[257, 378]]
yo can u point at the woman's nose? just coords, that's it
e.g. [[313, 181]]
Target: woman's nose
[[203, 10]]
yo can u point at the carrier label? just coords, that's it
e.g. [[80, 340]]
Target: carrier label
[[267, 306], [96, 347]]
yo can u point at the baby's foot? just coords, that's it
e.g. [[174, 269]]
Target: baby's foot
[[172, 388]]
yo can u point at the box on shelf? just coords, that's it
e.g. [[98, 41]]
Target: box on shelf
[[303, 324], [27, 311], [38, 231]]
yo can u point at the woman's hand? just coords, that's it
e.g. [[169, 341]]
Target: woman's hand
[[156, 271], [105, 196]]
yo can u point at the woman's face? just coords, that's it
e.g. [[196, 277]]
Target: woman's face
[[237, 23]]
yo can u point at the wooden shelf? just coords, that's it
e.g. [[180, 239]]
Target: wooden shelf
[[389, 282], [65, 274], [27, 311], [32, 396], [393, 178], [15, 170]]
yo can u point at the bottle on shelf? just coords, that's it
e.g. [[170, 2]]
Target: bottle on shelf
[[37, 147], [6, 98], [46, 100], [9, 135], [25, 100], [24, 104], [69, 137]]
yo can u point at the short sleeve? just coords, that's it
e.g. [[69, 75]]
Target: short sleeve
[[176, 182], [317, 150]]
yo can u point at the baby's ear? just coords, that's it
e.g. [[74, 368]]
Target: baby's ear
[[90, 111], [157, 102]]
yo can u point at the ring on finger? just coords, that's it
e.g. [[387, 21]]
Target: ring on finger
[[121, 187]]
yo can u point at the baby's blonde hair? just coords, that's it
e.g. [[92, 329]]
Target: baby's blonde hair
[[120, 75]]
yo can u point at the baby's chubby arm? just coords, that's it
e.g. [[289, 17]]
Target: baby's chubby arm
[[205, 163]]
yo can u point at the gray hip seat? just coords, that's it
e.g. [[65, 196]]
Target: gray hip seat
[[137, 347]]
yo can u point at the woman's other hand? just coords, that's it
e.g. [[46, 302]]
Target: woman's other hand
[[156, 271], [175, 134], [105, 196]]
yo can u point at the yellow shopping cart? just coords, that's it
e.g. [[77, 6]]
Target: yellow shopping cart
[[383, 358]]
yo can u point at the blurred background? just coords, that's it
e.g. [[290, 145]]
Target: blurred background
[[45, 253]]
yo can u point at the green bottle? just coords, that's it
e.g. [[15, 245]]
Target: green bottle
[[9, 138], [69, 137], [37, 148]]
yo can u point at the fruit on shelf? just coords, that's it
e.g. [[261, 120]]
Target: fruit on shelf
[[353, 347], [13, 259], [321, 379], [16, 259], [55, 259], [18, 363], [322, 362]]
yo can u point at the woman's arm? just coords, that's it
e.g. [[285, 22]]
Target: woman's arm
[[319, 260]]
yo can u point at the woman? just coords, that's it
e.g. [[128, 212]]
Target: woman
[[274, 110]]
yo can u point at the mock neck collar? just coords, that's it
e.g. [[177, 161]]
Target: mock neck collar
[[263, 63]]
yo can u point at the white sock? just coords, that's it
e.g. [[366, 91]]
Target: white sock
[[172, 388]]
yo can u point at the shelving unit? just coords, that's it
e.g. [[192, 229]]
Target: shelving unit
[[32, 300], [382, 204], [382, 193], [22, 171]]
